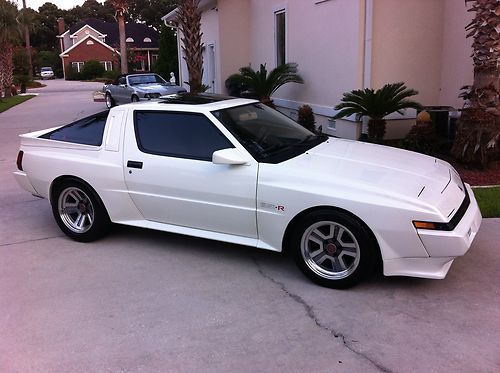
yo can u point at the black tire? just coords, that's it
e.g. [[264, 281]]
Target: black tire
[[79, 211], [110, 102], [333, 249], [135, 98]]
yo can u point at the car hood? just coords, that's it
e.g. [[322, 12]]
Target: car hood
[[383, 170], [160, 88]]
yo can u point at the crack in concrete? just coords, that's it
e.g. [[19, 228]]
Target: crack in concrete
[[311, 314], [33, 240]]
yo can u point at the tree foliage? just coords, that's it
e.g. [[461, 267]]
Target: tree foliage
[[376, 104], [167, 59]]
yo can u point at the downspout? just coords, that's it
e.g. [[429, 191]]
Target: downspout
[[367, 55], [367, 63]]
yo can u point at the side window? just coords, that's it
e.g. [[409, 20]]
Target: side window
[[175, 134], [280, 36]]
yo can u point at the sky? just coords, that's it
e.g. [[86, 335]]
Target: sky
[[62, 4]]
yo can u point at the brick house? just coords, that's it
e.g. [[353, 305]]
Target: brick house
[[93, 39]]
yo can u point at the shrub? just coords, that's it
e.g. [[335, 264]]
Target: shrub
[[306, 118], [21, 81], [72, 74], [422, 137], [91, 70], [111, 75]]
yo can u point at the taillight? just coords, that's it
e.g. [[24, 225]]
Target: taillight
[[19, 161]]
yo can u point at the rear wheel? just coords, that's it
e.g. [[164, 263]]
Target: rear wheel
[[333, 249], [79, 211], [135, 98]]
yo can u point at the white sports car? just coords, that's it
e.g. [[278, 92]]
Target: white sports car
[[235, 170]]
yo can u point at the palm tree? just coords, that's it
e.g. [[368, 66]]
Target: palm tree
[[26, 22], [262, 85], [478, 138], [9, 34], [189, 23], [376, 105], [121, 8]]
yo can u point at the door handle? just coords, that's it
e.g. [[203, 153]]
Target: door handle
[[134, 164]]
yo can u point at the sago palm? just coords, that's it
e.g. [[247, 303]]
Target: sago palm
[[263, 85], [377, 104]]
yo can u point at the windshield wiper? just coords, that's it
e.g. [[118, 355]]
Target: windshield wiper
[[305, 141]]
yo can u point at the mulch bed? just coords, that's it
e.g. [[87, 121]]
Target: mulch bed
[[489, 176]]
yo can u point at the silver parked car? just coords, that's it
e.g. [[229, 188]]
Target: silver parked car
[[138, 87], [46, 73]]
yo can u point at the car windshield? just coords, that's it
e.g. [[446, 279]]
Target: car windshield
[[268, 135], [146, 79], [46, 69]]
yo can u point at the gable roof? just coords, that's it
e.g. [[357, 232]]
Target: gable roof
[[84, 39], [136, 31]]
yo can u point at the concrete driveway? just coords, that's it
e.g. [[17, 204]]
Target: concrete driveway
[[145, 301]]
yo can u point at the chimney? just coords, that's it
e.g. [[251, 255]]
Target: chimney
[[61, 26]]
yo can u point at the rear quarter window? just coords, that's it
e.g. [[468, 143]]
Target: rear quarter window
[[87, 131]]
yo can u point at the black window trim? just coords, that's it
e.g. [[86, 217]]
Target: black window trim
[[171, 155], [105, 114]]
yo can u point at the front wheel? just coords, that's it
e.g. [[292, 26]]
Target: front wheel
[[109, 101], [79, 211], [135, 98], [333, 249]]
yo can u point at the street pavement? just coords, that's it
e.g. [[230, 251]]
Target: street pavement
[[146, 301]]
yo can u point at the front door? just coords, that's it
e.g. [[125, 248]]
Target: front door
[[172, 180]]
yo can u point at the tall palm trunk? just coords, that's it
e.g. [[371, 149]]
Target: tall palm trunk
[[189, 21], [7, 68], [28, 45], [123, 44], [121, 8], [478, 138]]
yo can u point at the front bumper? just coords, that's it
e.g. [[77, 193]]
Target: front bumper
[[442, 246]]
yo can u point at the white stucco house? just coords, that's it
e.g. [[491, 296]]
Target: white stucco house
[[340, 45]]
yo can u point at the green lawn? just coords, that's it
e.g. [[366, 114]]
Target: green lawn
[[7, 102], [488, 200]]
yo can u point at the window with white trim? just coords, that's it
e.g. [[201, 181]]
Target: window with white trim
[[280, 36], [108, 65], [77, 66]]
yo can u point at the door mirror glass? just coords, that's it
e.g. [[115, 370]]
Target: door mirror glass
[[229, 156]]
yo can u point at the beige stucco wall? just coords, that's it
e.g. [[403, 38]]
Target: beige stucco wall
[[457, 68], [322, 38], [407, 43], [234, 37]]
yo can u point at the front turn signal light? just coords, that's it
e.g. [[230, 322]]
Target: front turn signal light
[[424, 225]]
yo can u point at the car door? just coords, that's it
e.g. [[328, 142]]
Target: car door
[[171, 178], [121, 91]]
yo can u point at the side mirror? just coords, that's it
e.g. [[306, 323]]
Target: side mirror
[[229, 156], [122, 85]]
